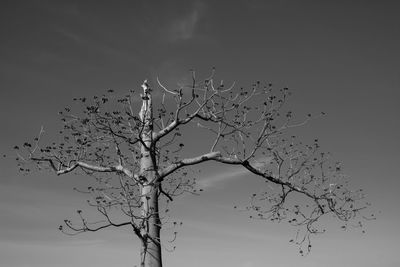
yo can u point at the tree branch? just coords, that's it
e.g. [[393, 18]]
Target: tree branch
[[187, 162], [86, 166]]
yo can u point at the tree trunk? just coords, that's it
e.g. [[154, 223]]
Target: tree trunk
[[151, 247], [151, 243]]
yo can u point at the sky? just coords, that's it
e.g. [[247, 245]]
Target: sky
[[340, 57]]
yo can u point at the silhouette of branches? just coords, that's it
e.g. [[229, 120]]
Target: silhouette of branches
[[248, 127]]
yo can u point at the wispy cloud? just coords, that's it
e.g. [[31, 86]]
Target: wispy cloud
[[234, 173], [184, 28], [84, 30], [70, 35], [90, 43], [218, 230], [217, 179]]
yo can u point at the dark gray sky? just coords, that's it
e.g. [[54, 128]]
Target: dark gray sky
[[341, 57]]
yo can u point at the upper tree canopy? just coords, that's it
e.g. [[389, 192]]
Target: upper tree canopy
[[248, 127]]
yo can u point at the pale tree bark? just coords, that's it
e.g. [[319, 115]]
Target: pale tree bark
[[151, 247]]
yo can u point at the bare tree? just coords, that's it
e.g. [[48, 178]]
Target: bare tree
[[135, 156]]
